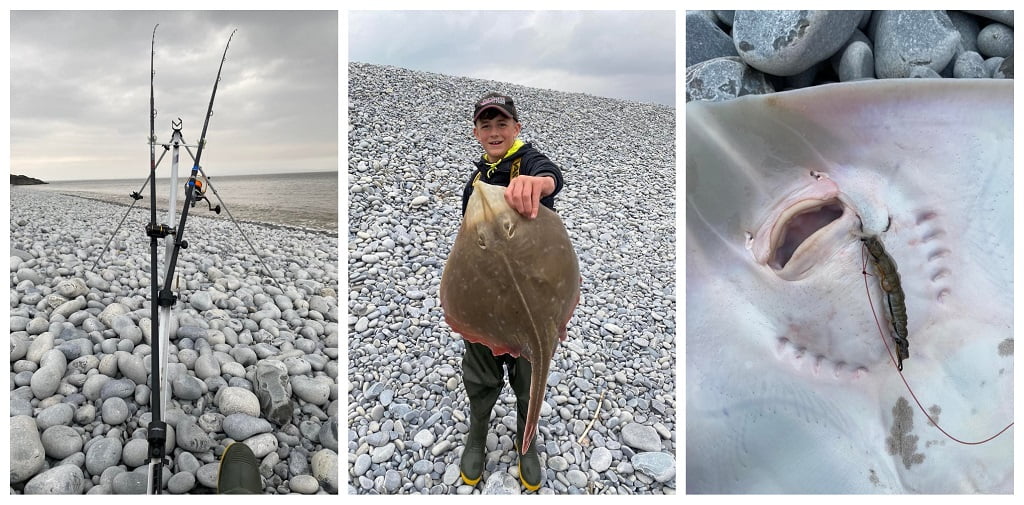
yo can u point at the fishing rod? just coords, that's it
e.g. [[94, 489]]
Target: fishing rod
[[163, 299]]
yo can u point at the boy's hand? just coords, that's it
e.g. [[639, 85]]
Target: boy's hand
[[524, 193]]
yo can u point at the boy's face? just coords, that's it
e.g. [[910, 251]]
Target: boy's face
[[496, 135]]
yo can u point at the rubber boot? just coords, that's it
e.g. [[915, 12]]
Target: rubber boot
[[471, 466], [530, 472], [239, 471]]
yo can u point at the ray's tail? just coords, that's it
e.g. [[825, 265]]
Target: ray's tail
[[538, 386]]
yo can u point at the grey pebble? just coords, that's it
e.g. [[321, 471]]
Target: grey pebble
[[114, 411], [304, 484], [236, 400], [995, 39], [1004, 17], [659, 465], [724, 79], [324, 466], [600, 459], [501, 483], [102, 454], [130, 482], [27, 451], [55, 415], [705, 40], [383, 453], [136, 452], [558, 463], [181, 483], [857, 62], [641, 437], [361, 465], [969, 65], [63, 479], [241, 426], [905, 40], [60, 442], [789, 42]]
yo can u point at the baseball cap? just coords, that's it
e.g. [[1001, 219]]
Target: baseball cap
[[496, 101]]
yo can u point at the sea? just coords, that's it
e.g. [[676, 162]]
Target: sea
[[298, 200]]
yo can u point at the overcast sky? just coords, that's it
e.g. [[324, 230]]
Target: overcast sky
[[619, 54], [80, 91]]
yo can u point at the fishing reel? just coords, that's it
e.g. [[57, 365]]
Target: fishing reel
[[198, 187]]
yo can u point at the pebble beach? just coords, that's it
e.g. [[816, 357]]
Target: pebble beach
[[608, 424], [80, 352]]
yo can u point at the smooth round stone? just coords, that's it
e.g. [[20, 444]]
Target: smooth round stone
[[135, 452], [235, 400], [383, 453], [361, 465], [60, 442], [311, 390], [45, 381], [789, 42], [133, 367], [908, 39], [262, 444], [304, 484], [207, 475], [21, 407], [102, 454], [201, 301], [181, 483], [705, 40], [244, 356], [130, 482], [36, 326], [187, 462], [996, 39], [723, 79], [324, 466], [659, 465], [27, 451], [188, 357], [600, 459], [19, 323], [392, 481], [114, 411], [857, 62], [117, 388], [56, 415], [501, 483], [969, 65], [242, 426], [422, 467], [63, 480], [233, 369], [577, 478], [425, 438], [206, 367], [558, 463], [186, 387]]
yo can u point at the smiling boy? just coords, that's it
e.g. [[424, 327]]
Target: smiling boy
[[531, 180]]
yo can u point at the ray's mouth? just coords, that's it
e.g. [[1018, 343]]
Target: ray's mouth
[[798, 225]]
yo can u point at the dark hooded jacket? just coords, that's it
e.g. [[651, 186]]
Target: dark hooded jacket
[[522, 159]]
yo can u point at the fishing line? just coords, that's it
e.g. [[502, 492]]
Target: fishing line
[[892, 358]]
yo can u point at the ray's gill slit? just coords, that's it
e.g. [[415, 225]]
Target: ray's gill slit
[[890, 284]]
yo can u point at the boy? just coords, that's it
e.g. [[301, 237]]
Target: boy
[[531, 180]]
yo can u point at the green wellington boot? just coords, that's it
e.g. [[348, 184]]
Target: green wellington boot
[[472, 463], [530, 472], [239, 471]]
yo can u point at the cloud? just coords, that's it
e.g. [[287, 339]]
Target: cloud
[[80, 90], [628, 55]]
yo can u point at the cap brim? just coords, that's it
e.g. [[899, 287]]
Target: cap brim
[[492, 106]]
